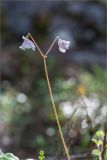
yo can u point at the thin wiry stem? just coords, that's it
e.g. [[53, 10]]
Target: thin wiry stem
[[51, 46], [84, 105], [36, 45], [55, 111], [50, 91], [89, 121]]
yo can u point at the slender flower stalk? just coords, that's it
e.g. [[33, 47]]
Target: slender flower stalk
[[51, 46], [55, 111], [44, 56], [36, 45]]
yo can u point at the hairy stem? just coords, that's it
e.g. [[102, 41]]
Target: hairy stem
[[54, 109]]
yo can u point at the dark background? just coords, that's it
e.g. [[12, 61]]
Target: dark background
[[27, 123]]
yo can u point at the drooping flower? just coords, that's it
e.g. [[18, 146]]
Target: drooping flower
[[27, 44], [63, 45]]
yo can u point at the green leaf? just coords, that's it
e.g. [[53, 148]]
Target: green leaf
[[95, 141], [41, 155], [11, 156], [100, 134], [96, 152], [100, 142], [4, 157]]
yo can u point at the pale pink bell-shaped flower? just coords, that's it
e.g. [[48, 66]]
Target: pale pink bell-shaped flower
[[27, 44], [63, 45]]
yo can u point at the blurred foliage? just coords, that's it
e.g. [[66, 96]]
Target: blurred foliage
[[18, 110], [7, 156], [98, 139], [41, 157]]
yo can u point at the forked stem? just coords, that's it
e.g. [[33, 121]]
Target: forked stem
[[50, 92], [54, 109]]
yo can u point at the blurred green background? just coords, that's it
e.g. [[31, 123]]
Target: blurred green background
[[27, 122]]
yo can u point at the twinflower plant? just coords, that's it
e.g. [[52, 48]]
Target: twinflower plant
[[30, 43]]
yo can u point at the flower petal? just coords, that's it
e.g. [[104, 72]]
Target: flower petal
[[63, 45], [62, 50], [27, 44]]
